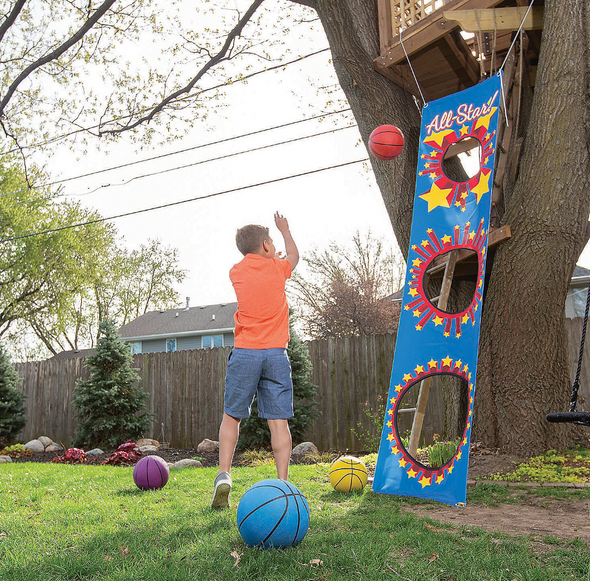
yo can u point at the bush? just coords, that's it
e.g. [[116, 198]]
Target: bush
[[111, 407], [254, 432], [13, 413]]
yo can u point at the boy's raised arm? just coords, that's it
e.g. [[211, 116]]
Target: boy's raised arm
[[290, 246]]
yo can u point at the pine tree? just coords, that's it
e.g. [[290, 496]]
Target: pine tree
[[111, 406], [254, 432], [13, 414]]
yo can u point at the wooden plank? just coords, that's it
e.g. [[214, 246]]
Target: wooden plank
[[385, 23], [463, 55], [497, 19]]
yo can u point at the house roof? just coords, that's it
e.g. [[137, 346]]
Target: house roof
[[179, 321]]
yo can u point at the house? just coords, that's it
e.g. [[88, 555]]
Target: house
[[181, 329]]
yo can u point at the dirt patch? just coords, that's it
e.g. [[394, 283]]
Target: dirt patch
[[540, 517]]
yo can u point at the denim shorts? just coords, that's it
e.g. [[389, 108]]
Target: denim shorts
[[266, 372]]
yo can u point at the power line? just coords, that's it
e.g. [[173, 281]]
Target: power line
[[185, 165], [226, 84], [169, 205]]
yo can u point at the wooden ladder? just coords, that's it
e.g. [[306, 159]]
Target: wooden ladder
[[441, 301]]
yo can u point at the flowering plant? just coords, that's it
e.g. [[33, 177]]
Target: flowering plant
[[72, 456], [126, 454]]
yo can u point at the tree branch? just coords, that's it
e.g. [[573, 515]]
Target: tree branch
[[16, 10], [100, 12], [235, 33]]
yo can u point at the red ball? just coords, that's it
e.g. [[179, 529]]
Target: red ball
[[151, 473], [386, 142]]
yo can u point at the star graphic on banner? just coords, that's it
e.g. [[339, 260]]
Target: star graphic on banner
[[485, 120], [413, 292], [450, 469], [402, 462], [440, 478], [431, 364], [424, 481], [417, 262], [424, 243], [407, 377], [465, 318], [438, 321], [412, 473], [447, 361], [417, 312], [483, 185], [419, 369], [445, 239], [390, 437], [390, 424], [398, 388], [437, 197], [464, 130], [439, 137]]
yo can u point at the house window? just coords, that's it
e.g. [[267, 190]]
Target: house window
[[135, 347], [170, 345], [210, 341]]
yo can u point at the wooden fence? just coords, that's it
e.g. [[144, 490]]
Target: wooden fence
[[185, 391]]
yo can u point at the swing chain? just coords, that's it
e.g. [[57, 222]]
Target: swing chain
[[576, 384]]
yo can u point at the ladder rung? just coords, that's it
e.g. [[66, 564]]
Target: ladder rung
[[406, 411], [435, 300], [434, 269]]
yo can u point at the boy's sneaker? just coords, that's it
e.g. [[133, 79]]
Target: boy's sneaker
[[222, 489]]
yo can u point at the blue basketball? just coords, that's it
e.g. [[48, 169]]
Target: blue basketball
[[273, 514]]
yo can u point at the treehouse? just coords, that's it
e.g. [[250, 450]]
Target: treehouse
[[452, 45]]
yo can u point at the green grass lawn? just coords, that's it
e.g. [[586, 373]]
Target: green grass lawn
[[61, 522]]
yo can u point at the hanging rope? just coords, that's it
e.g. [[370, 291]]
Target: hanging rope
[[478, 37], [425, 104], [576, 385], [516, 35], [493, 63]]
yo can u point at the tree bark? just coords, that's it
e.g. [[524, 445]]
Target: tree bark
[[523, 368]]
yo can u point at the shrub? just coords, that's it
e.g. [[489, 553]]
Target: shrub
[[126, 454], [72, 456], [111, 407], [13, 416], [16, 451]]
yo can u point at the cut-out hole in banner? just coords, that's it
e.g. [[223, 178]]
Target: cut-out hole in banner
[[462, 159]]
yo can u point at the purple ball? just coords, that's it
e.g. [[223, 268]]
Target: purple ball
[[151, 473]]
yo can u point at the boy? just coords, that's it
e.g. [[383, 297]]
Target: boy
[[258, 364]]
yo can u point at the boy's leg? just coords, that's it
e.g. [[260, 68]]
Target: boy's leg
[[228, 438], [280, 439], [229, 432]]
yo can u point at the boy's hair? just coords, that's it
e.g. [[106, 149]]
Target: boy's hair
[[249, 238]]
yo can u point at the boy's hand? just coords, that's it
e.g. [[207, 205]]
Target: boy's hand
[[290, 246], [281, 222]]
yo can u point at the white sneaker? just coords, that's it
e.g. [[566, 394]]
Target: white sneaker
[[222, 489]]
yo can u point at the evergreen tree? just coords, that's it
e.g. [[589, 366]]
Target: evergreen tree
[[111, 407], [13, 414], [254, 432]]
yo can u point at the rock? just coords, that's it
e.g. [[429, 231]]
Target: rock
[[45, 441], [148, 449], [35, 446], [94, 453], [54, 448], [305, 449], [4, 459], [208, 446], [147, 442], [186, 463]]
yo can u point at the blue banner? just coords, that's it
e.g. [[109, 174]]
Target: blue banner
[[431, 341]]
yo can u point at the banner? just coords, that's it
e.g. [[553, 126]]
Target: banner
[[433, 341]]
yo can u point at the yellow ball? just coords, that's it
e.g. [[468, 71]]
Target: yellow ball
[[348, 473]]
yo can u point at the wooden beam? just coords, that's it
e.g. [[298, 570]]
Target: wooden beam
[[464, 55], [385, 23], [497, 19], [401, 76]]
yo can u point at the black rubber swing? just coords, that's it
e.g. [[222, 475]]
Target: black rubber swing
[[574, 417]]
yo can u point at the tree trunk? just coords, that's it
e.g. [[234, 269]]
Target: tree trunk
[[523, 368]]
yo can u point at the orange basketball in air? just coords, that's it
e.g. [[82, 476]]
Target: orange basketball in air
[[386, 142]]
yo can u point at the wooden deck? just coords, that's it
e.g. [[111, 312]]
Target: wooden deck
[[451, 45]]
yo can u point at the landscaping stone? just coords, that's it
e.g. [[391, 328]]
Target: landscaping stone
[[208, 446], [54, 448], [186, 463], [147, 442], [35, 446], [305, 449], [5, 459], [45, 441], [148, 449], [94, 453]]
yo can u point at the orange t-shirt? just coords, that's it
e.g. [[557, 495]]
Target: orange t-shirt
[[262, 318]]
